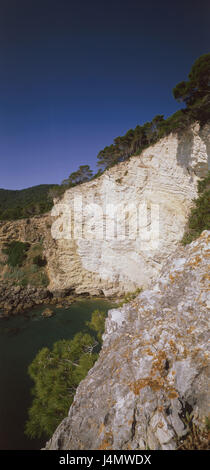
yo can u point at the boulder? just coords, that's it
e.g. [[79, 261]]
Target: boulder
[[48, 312]]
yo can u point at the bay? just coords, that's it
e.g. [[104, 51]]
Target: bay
[[21, 337]]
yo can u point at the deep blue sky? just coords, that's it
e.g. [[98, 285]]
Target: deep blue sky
[[76, 74]]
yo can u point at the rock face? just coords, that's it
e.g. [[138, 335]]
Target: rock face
[[17, 299], [164, 177], [153, 365], [26, 230]]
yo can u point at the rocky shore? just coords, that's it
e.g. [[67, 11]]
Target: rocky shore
[[16, 299]]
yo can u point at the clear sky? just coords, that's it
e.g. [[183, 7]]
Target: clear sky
[[76, 74]]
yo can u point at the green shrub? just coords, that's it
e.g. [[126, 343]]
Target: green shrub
[[199, 218], [33, 269], [39, 261], [119, 180], [44, 279], [56, 374], [24, 282], [129, 297], [97, 323], [37, 247], [16, 252]]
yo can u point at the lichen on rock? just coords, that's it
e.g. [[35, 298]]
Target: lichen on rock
[[153, 367]]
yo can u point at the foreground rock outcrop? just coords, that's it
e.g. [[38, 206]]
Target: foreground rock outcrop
[[152, 372]]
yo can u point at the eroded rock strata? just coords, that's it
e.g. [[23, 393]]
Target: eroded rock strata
[[164, 176]]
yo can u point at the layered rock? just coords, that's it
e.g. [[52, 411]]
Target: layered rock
[[33, 230], [164, 178], [16, 298], [152, 371]]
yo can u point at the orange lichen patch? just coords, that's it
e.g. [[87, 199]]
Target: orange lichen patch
[[173, 346], [205, 362], [204, 235], [135, 387], [148, 352], [185, 353], [196, 352], [106, 442], [191, 311], [156, 379], [126, 355], [195, 261], [154, 384], [146, 343], [172, 278], [206, 276], [101, 428], [159, 361], [191, 329], [173, 394], [105, 445]]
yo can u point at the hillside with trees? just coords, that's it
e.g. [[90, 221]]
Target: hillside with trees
[[15, 204]]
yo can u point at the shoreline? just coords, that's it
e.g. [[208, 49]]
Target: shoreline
[[17, 300]]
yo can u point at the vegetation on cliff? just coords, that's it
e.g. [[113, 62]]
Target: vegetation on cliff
[[97, 323], [24, 264], [16, 253], [199, 218], [57, 373], [194, 93], [82, 175]]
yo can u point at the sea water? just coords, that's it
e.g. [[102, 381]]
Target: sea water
[[21, 337]]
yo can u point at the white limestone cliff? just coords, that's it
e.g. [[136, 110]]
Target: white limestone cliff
[[165, 177]]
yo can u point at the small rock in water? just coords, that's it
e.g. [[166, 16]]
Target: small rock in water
[[48, 312]]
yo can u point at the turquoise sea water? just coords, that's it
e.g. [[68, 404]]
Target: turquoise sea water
[[21, 337]]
